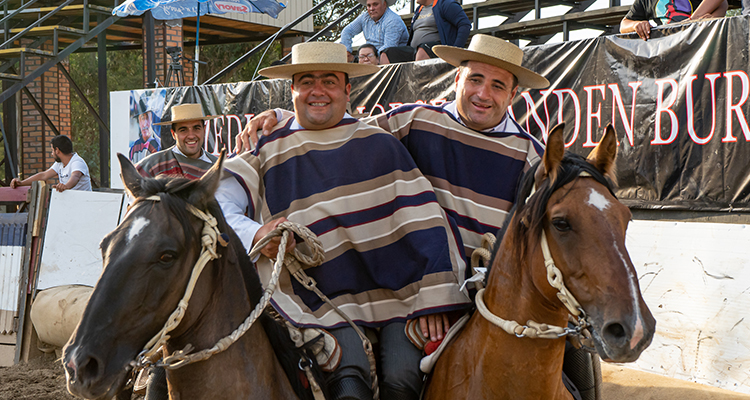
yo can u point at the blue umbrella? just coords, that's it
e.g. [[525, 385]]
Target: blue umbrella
[[173, 9]]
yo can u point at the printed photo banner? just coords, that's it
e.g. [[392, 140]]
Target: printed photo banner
[[679, 103]]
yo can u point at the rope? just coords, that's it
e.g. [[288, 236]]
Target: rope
[[531, 329], [310, 284], [209, 237], [183, 357]]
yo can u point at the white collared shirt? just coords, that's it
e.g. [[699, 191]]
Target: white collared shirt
[[203, 156], [502, 127]]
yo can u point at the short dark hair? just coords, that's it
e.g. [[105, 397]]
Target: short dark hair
[[369, 46], [62, 143], [465, 64]]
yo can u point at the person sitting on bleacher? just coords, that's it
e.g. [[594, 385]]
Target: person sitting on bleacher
[[668, 11], [434, 22], [382, 27], [368, 54]]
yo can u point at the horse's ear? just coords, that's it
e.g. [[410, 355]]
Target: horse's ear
[[206, 187], [604, 154], [130, 176], [553, 155]]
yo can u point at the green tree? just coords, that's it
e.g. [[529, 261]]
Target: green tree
[[220, 55], [124, 72]]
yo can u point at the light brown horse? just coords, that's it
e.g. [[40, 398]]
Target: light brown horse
[[585, 227], [148, 260]]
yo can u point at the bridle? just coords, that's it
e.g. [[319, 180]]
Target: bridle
[[210, 236], [534, 329]]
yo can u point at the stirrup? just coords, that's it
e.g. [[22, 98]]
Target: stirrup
[[320, 342]]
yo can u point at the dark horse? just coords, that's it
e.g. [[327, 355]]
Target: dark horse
[[148, 260], [571, 204]]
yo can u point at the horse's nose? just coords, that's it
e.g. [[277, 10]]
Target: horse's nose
[[83, 370], [615, 335]]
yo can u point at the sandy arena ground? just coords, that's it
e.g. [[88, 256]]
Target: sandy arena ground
[[45, 380]]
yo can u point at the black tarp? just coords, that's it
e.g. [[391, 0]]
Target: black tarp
[[679, 103]]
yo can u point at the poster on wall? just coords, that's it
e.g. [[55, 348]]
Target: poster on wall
[[144, 136], [679, 103]]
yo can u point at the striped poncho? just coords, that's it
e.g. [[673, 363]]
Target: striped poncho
[[474, 174], [169, 162], [390, 253]]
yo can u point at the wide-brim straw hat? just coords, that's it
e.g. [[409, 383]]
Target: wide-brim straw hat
[[389, 2], [186, 112], [493, 51], [318, 56]]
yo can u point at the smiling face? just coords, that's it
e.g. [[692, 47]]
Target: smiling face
[[376, 9], [483, 93], [320, 98], [189, 137]]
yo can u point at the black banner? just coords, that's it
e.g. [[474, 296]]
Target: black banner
[[679, 103]]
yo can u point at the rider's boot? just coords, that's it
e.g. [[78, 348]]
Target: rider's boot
[[349, 388], [388, 392], [581, 369], [157, 385]]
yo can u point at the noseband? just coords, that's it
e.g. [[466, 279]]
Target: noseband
[[534, 329]]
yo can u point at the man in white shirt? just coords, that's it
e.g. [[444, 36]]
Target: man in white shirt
[[70, 169]]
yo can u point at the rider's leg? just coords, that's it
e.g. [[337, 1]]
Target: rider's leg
[[351, 380], [401, 378]]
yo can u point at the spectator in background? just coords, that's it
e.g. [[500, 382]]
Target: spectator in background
[[368, 54], [187, 157], [70, 169], [382, 27], [434, 22], [668, 11]]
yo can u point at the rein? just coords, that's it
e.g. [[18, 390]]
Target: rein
[[534, 329]]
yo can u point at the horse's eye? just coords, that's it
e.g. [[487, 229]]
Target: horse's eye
[[561, 225], [166, 258]]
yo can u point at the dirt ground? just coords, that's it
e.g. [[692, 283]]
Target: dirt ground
[[45, 380]]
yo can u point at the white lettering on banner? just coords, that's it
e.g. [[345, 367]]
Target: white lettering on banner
[[591, 115], [618, 105], [576, 107], [736, 107], [690, 119], [660, 108]]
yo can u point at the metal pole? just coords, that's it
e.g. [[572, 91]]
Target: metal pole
[[101, 42], [197, 46], [148, 25]]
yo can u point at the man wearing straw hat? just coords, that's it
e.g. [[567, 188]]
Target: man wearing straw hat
[[187, 157], [381, 27], [390, 255]]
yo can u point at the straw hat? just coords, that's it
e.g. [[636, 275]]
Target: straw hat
[[493, 51], [186, 112], [389, 2], [318, 56]]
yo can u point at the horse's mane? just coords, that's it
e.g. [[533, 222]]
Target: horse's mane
[[525, 221], [174, 193]]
